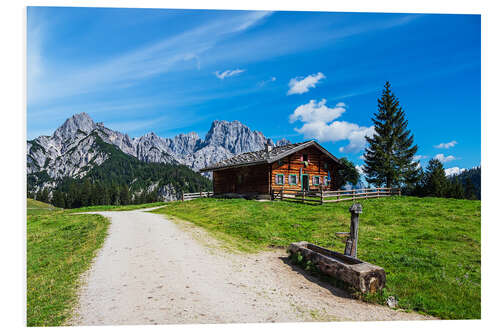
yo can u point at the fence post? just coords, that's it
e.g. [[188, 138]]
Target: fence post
[[399, 191], [281, 194], [321, 193], [303, 196], [182, 195]]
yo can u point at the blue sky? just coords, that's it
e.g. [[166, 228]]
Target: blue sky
[[297, 75]]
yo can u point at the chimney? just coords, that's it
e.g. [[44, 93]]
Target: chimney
[[268, 148]]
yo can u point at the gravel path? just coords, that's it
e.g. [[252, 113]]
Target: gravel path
[[153, 271]]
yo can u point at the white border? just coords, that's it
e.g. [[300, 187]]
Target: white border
[[13, 135]]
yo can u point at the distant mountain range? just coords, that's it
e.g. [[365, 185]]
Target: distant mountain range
[[80, 145]]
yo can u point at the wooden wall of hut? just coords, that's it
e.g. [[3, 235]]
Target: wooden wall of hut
[[317, 164], [251, 179]]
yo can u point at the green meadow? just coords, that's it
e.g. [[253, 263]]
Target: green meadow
[[429, 247], [60, 247]]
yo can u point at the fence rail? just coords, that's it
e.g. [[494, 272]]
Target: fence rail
[[196, 195], [321, 196]]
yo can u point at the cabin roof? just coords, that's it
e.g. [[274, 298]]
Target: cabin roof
[[263, 157]]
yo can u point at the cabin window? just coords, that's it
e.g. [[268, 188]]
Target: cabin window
[[305, 157], [280, 179], [292, 180], [316, 180]]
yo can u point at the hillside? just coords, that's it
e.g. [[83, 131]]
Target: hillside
[[119, 179], [474, 175], [429, 247]]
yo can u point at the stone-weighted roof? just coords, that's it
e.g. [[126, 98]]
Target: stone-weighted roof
[[263, 156]]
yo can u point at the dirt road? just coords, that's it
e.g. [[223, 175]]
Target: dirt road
[[153, 271]]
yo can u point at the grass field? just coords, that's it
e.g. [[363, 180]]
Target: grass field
[[60, 247], [429, 247]]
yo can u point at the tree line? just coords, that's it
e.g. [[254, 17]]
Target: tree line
[[120, 180], [93, 194]]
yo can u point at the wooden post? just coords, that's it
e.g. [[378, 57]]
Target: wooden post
[[351, 246], [201, 194], [399, 191], [303, 195], [281, 194], [182, 195], [321, 193]]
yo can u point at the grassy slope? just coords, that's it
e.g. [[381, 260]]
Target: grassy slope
[[429, 247], [60, 247]]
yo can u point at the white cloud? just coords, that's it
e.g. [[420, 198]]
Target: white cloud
[[317, 111], [299, 85], [444, 159], [446, 145], [453, 171], [228, 73], [319, 123]]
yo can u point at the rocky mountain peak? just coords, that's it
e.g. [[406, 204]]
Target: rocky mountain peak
[[235, 137], [81, 121], [69, 150]]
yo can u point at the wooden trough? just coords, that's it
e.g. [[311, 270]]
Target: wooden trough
[[361, 275]]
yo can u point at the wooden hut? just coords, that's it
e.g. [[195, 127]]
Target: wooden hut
[[299, 166]]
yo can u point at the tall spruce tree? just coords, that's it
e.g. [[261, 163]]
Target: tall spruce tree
[[389, 154], [435, 181]]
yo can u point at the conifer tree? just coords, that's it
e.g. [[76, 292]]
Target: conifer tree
[[389, 154], [435, 181], [124, 195], [455, 190], [470, 190]]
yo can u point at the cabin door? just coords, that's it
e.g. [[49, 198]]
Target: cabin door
[[305, 182]]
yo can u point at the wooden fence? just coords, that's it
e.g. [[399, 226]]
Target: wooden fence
[[196, 195], [321, 196]]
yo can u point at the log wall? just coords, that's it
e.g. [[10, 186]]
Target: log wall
[[293, 164], [252, 179]]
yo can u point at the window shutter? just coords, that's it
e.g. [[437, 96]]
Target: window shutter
[[289, 179], [276, 180]]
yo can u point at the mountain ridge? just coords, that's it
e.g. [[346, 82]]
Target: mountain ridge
[[73, 149]]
